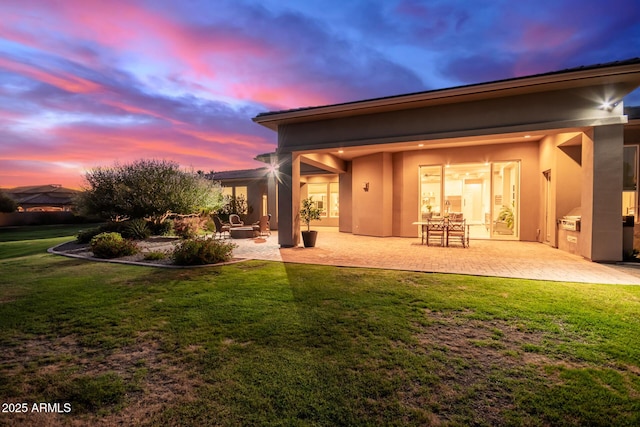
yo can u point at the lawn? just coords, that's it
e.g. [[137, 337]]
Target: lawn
[[266, 343]]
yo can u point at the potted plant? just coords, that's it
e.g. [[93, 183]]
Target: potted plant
[[504, 222], [308, 213]]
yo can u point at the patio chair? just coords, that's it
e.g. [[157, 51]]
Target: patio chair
[[221, 228], [435, 232], [235, 220], [458, 231], [263, 225]]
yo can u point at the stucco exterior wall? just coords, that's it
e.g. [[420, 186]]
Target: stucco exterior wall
[[602, 157], [561, 155], [482, 117], [372, 210], [345, 222]]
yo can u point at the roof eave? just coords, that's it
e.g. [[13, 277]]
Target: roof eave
[[578, 78]]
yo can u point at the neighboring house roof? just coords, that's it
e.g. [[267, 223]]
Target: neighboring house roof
[[42, 195], [612, 72], [239, 174]]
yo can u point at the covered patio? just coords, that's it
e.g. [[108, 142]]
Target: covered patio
[[513, 259]]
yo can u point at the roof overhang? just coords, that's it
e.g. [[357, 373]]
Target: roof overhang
[[624, 76]]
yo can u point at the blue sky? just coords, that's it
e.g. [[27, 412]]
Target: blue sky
[[87, 83]]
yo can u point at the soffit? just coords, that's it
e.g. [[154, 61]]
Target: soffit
[[349, 153]]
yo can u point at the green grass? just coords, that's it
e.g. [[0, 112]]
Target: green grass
[[263, 343]]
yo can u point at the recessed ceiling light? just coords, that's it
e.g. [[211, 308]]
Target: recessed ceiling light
[[420, 145], [340, 151], [527, 136]]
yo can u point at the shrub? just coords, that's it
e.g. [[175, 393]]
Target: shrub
[[201, 251], [113, 227], [112, 245], [209, 225], [188, 228], [154, 256], [164, 228], [136, 229], [85, 236]]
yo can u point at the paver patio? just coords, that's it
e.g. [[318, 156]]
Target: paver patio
[[524, 260]]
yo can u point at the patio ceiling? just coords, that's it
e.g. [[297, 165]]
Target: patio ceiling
[[349, 153]]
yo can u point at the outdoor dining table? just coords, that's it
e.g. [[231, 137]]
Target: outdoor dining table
[[459, 225]]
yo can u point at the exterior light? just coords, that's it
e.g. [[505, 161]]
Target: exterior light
[[608, 105], [365, 186], [527, 136], [340, 151], [420, 145]]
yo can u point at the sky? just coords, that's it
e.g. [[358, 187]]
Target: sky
[[87, 83]]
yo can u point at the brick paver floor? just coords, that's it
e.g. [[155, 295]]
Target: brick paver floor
[[525, 260]]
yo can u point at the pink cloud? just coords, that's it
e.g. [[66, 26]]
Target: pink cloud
[[59, 79]]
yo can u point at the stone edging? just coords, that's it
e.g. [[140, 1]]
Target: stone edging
[[53, 250]]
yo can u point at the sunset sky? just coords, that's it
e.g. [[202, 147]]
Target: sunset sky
[[85, 83]]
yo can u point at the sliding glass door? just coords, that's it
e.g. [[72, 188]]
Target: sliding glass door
[[485, 194]]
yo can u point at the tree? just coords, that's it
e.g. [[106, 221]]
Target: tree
[[236, 205], [7, 204], [150, 189]]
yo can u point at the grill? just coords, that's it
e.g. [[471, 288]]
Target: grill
[[571, 221]]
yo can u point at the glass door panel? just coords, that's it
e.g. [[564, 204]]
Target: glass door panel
[[467, 193], [430, 191], [506, 189]]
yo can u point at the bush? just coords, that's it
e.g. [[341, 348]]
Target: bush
[[85, 236], [188, 228], [202, 251], [209, 225], [136, 229], [164, 228], [154, 256], [112, 245], [113, 227]]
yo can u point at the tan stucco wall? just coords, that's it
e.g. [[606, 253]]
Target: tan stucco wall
[[345, 222], [602, 158], [511, 113], [566, 180], [372, 212]]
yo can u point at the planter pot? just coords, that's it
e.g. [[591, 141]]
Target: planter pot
[[309, 238]]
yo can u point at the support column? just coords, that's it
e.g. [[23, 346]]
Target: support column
[[272, 200], [602, 160], [289, 200]]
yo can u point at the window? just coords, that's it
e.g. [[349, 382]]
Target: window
[[318, 192], [431, 186], [241, 191], [334, 207], [630, 180]]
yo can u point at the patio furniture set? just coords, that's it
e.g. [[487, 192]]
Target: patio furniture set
[[236, 228], [444, 231]]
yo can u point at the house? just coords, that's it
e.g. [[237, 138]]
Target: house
[[256, 186], [42, 198], [532, 150]]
